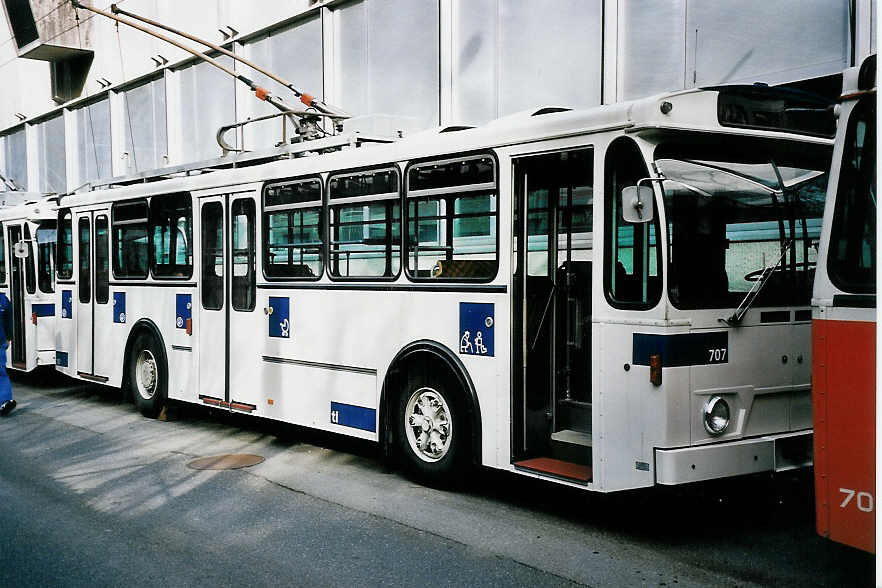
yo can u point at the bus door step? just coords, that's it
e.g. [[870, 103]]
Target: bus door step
[[571, 445], [556, 468], [575, 415]]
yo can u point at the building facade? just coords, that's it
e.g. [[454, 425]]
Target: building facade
[[86, 99]]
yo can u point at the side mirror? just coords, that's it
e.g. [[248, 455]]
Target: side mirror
[[20, 250], [637, 204]]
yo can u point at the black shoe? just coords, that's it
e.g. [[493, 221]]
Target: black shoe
[[7, 407]]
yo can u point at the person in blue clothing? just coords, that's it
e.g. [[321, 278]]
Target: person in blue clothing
[[7, 402]]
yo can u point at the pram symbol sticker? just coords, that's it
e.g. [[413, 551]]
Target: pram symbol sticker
[[476, 327]]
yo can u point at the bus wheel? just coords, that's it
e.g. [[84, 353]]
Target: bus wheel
[[148, 375], [432, 430]]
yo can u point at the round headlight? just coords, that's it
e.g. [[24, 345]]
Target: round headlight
[[716, 415]]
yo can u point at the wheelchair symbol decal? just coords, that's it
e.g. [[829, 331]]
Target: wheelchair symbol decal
[[285, 326]]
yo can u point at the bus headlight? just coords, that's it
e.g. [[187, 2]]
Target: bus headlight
[[716, 415]]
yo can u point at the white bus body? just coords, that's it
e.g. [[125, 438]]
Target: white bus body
[[29, 281], [391, 304]]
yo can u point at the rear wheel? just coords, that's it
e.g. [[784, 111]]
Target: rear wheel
[[148, 375], [432, 429]]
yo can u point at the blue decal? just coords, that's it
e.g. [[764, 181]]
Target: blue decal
[[476, 327], [43, 309], [61, 358], [683, 349], [353, 416], [183, 310], [119, 307], [66, 305], [279, 317]]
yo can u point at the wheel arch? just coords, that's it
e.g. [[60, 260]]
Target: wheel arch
[[143, 325], [441, 354]]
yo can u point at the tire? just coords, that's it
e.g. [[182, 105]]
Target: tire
[[148, 375], [432, 429]]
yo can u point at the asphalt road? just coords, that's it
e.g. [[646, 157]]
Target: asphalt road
[[91, 493]]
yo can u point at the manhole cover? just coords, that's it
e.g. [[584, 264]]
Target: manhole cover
[[227, 461]]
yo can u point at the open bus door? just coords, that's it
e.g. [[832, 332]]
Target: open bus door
[[552, 309]]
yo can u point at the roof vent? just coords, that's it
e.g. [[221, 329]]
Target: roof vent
[[550, 110]]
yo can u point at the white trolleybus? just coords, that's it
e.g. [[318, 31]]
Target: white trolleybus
[[844, 325], [609, 298], [27, 277]]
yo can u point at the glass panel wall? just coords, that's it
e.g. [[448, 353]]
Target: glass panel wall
[[145, 127], [93, 141], [293, 53], [387, 64], [512, 56], [207, 98], [53, 161], [15, 156]]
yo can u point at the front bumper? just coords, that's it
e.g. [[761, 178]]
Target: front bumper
[[777, 453]]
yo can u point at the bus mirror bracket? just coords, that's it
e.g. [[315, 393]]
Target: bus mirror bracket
[[20, 250], [637, 202]]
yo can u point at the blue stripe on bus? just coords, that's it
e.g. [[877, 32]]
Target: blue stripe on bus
[[683, 349], [43, 309], [353, 416], [61, 358]]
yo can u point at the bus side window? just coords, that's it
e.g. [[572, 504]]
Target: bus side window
[[243, 253], [292, 230], [64, 246], [364, 225], [129, 221], [171, 232], [46, 236], [85, 275], [30, 281], [631, 250], [102, 261], [451, 219], [212, 223]]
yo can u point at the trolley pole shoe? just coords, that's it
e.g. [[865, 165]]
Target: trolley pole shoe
[[7, 407]]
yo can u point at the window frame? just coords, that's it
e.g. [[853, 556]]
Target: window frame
[[249, 281], [102, 282], [59, 246], [405, 220], [84, 279], [653, 299], [53, 268], [368, 199], [30, 264], [324, 218], [151, 245], [114, 244]]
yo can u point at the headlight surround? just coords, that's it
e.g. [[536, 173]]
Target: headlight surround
[[716, 415]]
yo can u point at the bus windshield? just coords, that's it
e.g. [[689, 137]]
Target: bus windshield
[[728, 221]]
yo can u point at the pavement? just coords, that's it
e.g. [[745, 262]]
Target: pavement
[[92, 493]]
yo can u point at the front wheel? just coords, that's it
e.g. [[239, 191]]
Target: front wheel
[[432, 430], [148, 375]]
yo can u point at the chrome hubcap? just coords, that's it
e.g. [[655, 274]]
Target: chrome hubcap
[[146, 374], [428, 424]]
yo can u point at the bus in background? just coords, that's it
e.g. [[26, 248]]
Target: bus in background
[[442, 295], [844, 325], [27, 277]]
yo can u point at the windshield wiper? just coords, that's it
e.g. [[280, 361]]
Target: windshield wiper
[[738, 315]]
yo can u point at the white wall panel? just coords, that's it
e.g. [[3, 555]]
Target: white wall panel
[[144, 127], [207, 101], [52, 155], [15, 157], [93, 142], [652, 51]]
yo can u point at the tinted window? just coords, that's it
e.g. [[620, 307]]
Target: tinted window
[[212, 256], [631, 250], [451, 220], [85, 275], [30, 280], [130, 243], [171, 232], [851, 261], [292, 230], [64, 246], [243, 253], [102, 261], [45, 257], [365, 234]]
